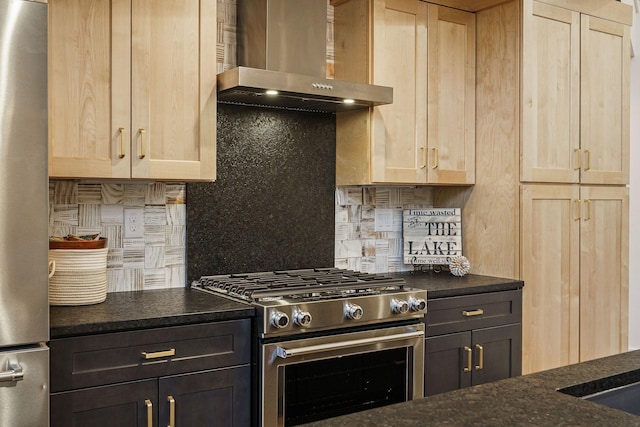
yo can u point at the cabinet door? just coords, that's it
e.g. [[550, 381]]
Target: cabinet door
[[446, 365], [398, 130], [604, 272], [550, 137], [173, 89], [550, 266], [89, 88], [496, 353], [451, 96], [211, 398], [604, 101], [128, 404]]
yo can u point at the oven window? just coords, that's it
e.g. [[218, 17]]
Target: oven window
[[328, 388]]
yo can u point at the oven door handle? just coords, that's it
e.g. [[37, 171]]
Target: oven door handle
[[283, 353]]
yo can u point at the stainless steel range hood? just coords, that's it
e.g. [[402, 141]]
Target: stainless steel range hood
[[282, 48]]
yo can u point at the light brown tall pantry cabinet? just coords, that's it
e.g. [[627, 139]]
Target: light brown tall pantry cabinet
[[426, 53], [132, 89], [552, 168]]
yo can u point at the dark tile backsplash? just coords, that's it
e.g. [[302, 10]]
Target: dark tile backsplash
[[272, 206]]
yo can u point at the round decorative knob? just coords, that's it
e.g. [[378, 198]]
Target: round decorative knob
[[279, 319], [417, 304], [352, 311], [302, 318], [399, 306]]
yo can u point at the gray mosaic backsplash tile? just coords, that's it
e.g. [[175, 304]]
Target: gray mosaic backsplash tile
[[155, 260]]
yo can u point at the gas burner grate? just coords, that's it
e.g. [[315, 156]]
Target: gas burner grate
[[317, 284]]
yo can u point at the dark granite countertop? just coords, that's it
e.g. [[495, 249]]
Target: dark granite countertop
[[445, 284], [529, 400], [145, 309]]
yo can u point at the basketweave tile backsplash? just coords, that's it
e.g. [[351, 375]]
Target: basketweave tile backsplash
[[358, 246], [156, 260]]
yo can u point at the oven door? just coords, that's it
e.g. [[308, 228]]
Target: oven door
[[312, 379]]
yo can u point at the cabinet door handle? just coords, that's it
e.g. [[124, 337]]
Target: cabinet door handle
[[172, 411], [578, 158], [149, 406], [469, 359], [587, 160], [158, 354], [578, 209], [470, 313], [122, 150], [480, 364], [435, 158], [141, 154], [587, 209], [424, 157]]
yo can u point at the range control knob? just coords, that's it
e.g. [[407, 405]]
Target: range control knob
[[417, 304], [302, 318], [399, 306], [352, 311], [279, 319]]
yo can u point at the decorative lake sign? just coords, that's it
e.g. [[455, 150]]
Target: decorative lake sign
[[431, 236]]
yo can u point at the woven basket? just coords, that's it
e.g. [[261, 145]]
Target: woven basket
[[79, 276]]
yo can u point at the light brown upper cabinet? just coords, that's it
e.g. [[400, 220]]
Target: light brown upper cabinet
[[575, 94], [132, 89], [427, 54]]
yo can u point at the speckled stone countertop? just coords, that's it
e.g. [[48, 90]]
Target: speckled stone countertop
[[169, 307], [529, 400], [445, 284], [144, 309]]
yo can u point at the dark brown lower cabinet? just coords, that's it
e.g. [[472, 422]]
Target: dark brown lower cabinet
[[212, 398], [195, 375], [472, 340]]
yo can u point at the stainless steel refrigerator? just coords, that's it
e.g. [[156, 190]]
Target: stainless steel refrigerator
[[24, 305]]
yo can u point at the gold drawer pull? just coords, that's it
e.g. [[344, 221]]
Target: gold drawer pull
[[172, 411], [469, 359], [477, 312], [149, 406], [141, 154], [158, 354], [435, 158], [480, 364]]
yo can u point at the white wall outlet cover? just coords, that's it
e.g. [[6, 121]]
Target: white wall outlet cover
[[133, 223], [384, 219]]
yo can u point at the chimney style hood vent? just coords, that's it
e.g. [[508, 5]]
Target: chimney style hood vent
[[282, 49]]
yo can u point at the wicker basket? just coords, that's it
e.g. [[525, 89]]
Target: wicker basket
[[79, 276]]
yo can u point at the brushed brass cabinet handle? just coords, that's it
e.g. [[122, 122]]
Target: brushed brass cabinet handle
[[470, 313], [578, 158], [587, 163], [158, 354], [172, 411], [149, 406], [142, 132], [469, 359], [435, 158], [578, 209], [122, 150], [424, 158], [480, 364], [587, 208]]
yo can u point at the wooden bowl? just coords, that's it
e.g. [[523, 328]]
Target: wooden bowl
[[78, 244]]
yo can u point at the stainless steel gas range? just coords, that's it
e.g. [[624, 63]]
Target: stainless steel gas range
[[329, 341]]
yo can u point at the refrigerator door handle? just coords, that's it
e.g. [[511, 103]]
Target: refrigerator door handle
[[12, 374]]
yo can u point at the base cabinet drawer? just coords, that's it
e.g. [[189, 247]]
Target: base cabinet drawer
[[467, 353], [193, 375]]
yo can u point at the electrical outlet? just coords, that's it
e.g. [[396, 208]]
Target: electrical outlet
[[133, 223], [384, 220]]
